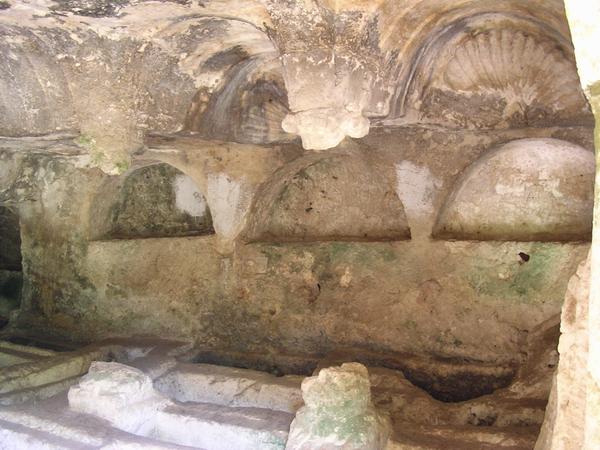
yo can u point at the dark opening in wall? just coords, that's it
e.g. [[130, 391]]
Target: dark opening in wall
[[11, 275]]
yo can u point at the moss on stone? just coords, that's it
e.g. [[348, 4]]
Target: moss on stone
[[147, 207], [86, 141], [122, 166]]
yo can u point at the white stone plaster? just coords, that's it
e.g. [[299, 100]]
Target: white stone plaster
[[416, 188], [229, 203], [187, 196]]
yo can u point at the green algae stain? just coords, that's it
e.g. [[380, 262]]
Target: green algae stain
[[339, 250], [345, 424], [86, 141], [361, 253], [122, 166], [388, 254], [524, 280], [273, 254], [532, 275]]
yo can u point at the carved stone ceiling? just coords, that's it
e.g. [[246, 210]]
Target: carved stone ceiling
[[268, 71]]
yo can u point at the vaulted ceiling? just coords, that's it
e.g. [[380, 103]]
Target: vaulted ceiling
[[269, 71]]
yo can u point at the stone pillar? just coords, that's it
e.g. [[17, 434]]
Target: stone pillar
[[584, 21]]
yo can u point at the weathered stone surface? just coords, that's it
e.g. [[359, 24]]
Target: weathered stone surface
[[120, 394], [231, 387], [328, 198], [435, 84], [154, 201], [301, 298], [526, 190], [338, 413], [217, 427], [11, 354], [47, 370], [51, 424], [329, 70], [125, 396], [564, 423]]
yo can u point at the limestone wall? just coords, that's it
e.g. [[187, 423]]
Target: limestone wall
[[322, 288], [383, 176]]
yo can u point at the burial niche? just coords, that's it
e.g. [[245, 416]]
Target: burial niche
[[156, 201], [525, 190], [332, 198]]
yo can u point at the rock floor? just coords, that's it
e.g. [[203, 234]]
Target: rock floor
[[211, 407]]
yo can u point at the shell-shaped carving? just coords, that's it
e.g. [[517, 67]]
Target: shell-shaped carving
[[262, 123], [524, 69], [249, 107]]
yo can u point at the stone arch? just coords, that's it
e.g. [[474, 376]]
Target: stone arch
[[240, 91], [333, 198], [156, 200], [525, 190], [490, 68], [248, 108]]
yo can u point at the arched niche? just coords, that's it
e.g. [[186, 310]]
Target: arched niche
[[331, 198], [157, 200], [240, 91], [11, 275], [491, 67], [248, 107], [525, 190]]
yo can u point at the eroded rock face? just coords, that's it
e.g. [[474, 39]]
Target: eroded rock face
[[528, 189], [263, 72], [312, 252], [564, 423], [338, 412], [120, 394]]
